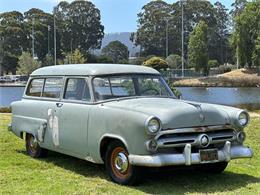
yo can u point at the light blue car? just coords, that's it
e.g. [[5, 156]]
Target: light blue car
[[126, 117]]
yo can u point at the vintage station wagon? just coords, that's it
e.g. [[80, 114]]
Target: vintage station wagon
[[126, 117]]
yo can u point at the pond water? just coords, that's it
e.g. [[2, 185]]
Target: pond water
[[218, 95], [221, 95]]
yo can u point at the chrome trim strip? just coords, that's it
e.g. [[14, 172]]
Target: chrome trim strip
[[187, 158], [195, 129]]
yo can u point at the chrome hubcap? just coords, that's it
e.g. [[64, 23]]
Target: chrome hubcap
[[121, 162], [33, 143]]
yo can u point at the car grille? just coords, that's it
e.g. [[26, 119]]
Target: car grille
[[181, 137]]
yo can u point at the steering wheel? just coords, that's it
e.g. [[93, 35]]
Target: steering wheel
[[150, 89]]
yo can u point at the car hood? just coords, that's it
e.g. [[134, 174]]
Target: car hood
[[175, 113]]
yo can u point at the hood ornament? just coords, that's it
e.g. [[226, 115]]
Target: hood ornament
[[198, 106]]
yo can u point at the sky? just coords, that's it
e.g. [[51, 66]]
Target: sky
[[116, 15]]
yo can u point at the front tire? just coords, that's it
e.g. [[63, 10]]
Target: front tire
[[118, 166], [33, 149]]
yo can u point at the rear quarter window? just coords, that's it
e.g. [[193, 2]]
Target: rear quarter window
[[52, 87], [35, 88]]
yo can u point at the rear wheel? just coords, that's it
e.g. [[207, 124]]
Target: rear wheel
[[118, 166], [33, 148], [214, 168]]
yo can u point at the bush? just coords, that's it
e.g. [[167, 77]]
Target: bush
[[213, 63], [27, 64], [91, 58], [138, 61], [5, 110], [173, 61], [123, 61], [156, 63], [225, 68], [75, 57], [104, 59]]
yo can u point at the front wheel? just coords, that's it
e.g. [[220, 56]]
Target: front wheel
[[118, 166], [33, 149]]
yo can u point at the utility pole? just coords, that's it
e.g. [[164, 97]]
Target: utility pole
[[167, 41], [33, 21], [54, 24], [237, 57], [182, 41], [49, 28]]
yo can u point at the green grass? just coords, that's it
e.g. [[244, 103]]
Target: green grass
[[60, 174]]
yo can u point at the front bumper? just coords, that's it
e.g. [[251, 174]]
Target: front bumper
[[187, 158]]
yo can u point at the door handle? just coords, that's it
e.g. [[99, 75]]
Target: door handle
[[59, 105]]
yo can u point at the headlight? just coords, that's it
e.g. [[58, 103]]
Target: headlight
[[243, 118], [153, 125]]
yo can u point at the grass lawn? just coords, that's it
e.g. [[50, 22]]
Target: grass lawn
[[60, 174]]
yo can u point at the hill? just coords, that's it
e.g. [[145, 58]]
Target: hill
[[123, 37]]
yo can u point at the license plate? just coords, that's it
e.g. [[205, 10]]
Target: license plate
[[208, 155]]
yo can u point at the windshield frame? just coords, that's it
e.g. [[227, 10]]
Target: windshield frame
[[160, 77]]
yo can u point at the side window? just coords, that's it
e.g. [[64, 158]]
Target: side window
[[52, 88], [35, 87], [102, 88], [77, 89], [122, 86]]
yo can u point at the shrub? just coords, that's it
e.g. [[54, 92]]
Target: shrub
[[213, 63], [173, 61], [156, 63], [27, 64], [138, 61], [104, 59], [225, 68], [5, 110]]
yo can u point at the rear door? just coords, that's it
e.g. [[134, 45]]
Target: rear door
[[73, 113]]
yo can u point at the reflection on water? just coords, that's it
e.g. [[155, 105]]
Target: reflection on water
[[218, 95]]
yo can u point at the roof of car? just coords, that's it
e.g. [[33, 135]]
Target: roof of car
[[92, 69]]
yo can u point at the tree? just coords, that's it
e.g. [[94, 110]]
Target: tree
[[238, 7], [74, 58], [116, 50], [246, 33], [198, 47], [43, 37], [173, 61], [151, 27], [154, 17], [14, 39], [1, 56], [219, 47], [256, 53], [27, 64], [156, 63], [79, 26], [213, 63]]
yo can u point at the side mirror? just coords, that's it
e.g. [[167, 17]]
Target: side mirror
[[179, 96]]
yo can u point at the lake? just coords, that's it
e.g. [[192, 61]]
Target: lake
[[218, 95]]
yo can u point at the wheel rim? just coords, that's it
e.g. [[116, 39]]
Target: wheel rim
[[32, 143], [119, 163]]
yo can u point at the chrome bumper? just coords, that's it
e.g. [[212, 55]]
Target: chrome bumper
[[188, 158]]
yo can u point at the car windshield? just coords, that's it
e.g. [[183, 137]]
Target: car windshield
[[110, 87]]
